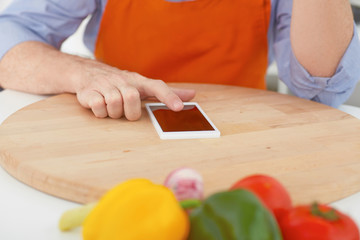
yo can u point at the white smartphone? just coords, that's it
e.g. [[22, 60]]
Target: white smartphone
[[191, 122]]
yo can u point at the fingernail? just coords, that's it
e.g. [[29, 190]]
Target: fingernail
[[178, 105]]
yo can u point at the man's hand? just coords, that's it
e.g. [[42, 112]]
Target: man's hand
[[111, 92], [38, 68]]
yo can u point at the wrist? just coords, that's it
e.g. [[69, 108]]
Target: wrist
[[77, 74]]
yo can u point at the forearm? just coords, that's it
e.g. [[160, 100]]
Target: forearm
[[38, 68], [321, 31]]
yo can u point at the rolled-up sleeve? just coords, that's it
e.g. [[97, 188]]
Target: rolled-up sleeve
[[332, 91], [48, 21]]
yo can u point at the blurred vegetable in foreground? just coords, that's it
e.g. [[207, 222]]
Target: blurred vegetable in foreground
[[318, 222], [136, 210], [270, 191], [186, 183], [233, 215]]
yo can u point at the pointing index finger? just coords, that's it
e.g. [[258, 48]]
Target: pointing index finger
[[160, 90]]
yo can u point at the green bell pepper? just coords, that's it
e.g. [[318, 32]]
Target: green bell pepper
[[233, 215]]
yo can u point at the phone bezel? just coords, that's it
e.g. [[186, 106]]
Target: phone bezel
[[182, 134]]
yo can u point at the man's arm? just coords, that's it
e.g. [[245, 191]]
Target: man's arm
[[335, 83], [321, 31], [39, 68]]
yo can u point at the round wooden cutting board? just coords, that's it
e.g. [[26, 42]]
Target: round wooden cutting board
[[60, 148]]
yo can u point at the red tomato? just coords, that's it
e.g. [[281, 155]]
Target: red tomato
[[303, 223], [270, 191]]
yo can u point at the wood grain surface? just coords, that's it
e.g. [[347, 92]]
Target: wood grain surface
[[60, 148]]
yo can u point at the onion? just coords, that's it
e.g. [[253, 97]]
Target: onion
[[186, 183]]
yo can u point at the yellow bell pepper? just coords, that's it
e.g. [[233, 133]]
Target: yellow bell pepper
[[137, 210]]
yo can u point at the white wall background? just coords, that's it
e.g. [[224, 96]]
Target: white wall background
[[4, 3], [74, 45]]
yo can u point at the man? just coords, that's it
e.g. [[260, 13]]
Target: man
[[210, 41]]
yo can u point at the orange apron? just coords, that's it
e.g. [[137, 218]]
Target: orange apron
[[199, 41]]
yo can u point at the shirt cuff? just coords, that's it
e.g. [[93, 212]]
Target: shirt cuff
[[332, 91]]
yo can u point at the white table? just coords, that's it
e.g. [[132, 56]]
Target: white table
[[26, 213]]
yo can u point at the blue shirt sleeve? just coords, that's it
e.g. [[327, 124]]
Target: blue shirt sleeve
[[332, 91], [48, 21]]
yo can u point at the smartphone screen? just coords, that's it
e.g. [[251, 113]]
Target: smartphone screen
[[189, 119], [191, 122]]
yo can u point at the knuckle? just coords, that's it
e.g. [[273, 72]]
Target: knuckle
[[139, 76], [96, 103], [131, 95], [160, 83], [133, 75], [114, 99]]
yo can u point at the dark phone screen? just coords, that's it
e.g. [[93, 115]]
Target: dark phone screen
[[189, 119]]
